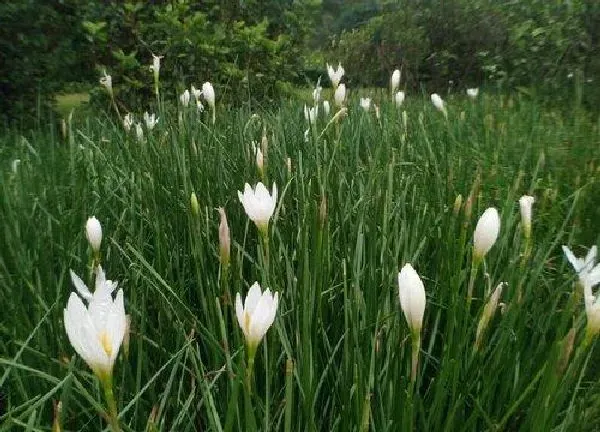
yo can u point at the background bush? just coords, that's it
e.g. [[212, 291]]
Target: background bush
[[258, 50]]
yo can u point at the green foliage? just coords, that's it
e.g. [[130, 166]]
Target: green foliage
[[522, 43], [247, 52], [37, 54]]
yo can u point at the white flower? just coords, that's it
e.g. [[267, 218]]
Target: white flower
[[196, 92], [96, 332], [486, 233], [395, 80], [438, 102], [586, 268], [340, 95], [106, 81], [399, 98], [589, 276], [128, 121], [412, 297], [93, 232], [526, 203], [209, 94], [310, 114], [139, 132], [256, 314], [155, 66], [326, 108], [335, 75], [14, 165], [258, 204], [365, 103], [184, 98], [151, 120], [317, 92], [472, 92]]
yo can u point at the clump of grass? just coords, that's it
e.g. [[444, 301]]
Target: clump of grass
[[339, 354]]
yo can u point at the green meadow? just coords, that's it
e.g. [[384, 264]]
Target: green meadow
[[363, 195]]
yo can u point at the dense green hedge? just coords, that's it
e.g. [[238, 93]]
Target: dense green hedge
[[258, 49], [543, 45]]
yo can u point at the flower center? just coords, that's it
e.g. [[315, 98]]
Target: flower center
[[106, 343]]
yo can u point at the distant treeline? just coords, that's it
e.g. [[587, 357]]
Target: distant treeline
[[260, 49]]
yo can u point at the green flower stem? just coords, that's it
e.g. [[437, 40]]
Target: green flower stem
[[249, 410], [474, 268], [113, 413], [416, 348]]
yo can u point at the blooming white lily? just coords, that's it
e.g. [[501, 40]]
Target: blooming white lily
[[208, 92], [472, 92], [589, 276], [335, 75], [258, 204], [310, 114], [151, 120], [93, 232], [197, 93], [486, 233], [326, 108], [365, 103], [340, 95], [184, 98], [128, 122], [399, 98], [395, 80], [256, 314], [438, 102], [106, 81], [526, 204], [412, 300], [155, 68], [96, 332]]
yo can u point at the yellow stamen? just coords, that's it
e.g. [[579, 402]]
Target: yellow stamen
[[106, 343]]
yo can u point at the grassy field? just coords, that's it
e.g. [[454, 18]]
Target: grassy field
[[363, 197]]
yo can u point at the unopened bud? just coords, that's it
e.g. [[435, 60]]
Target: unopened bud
[[264, 142], [224, 239], [93, 232], [57, 412], [126, 336], [152, 420], [323, 211], [567, 348], [288, 163], [457, 204], [488, 313], [195, 207]]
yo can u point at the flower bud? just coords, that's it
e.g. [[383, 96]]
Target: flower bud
[[93, 232], [224, 239], [412, 297], [126, 336], [486, 233], [457, 204], [340, 95], [195, 207], [488, 313], [525, 203], [57, 412], [323, 211]]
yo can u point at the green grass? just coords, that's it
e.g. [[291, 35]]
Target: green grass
[[64, 103], [390, 191]]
